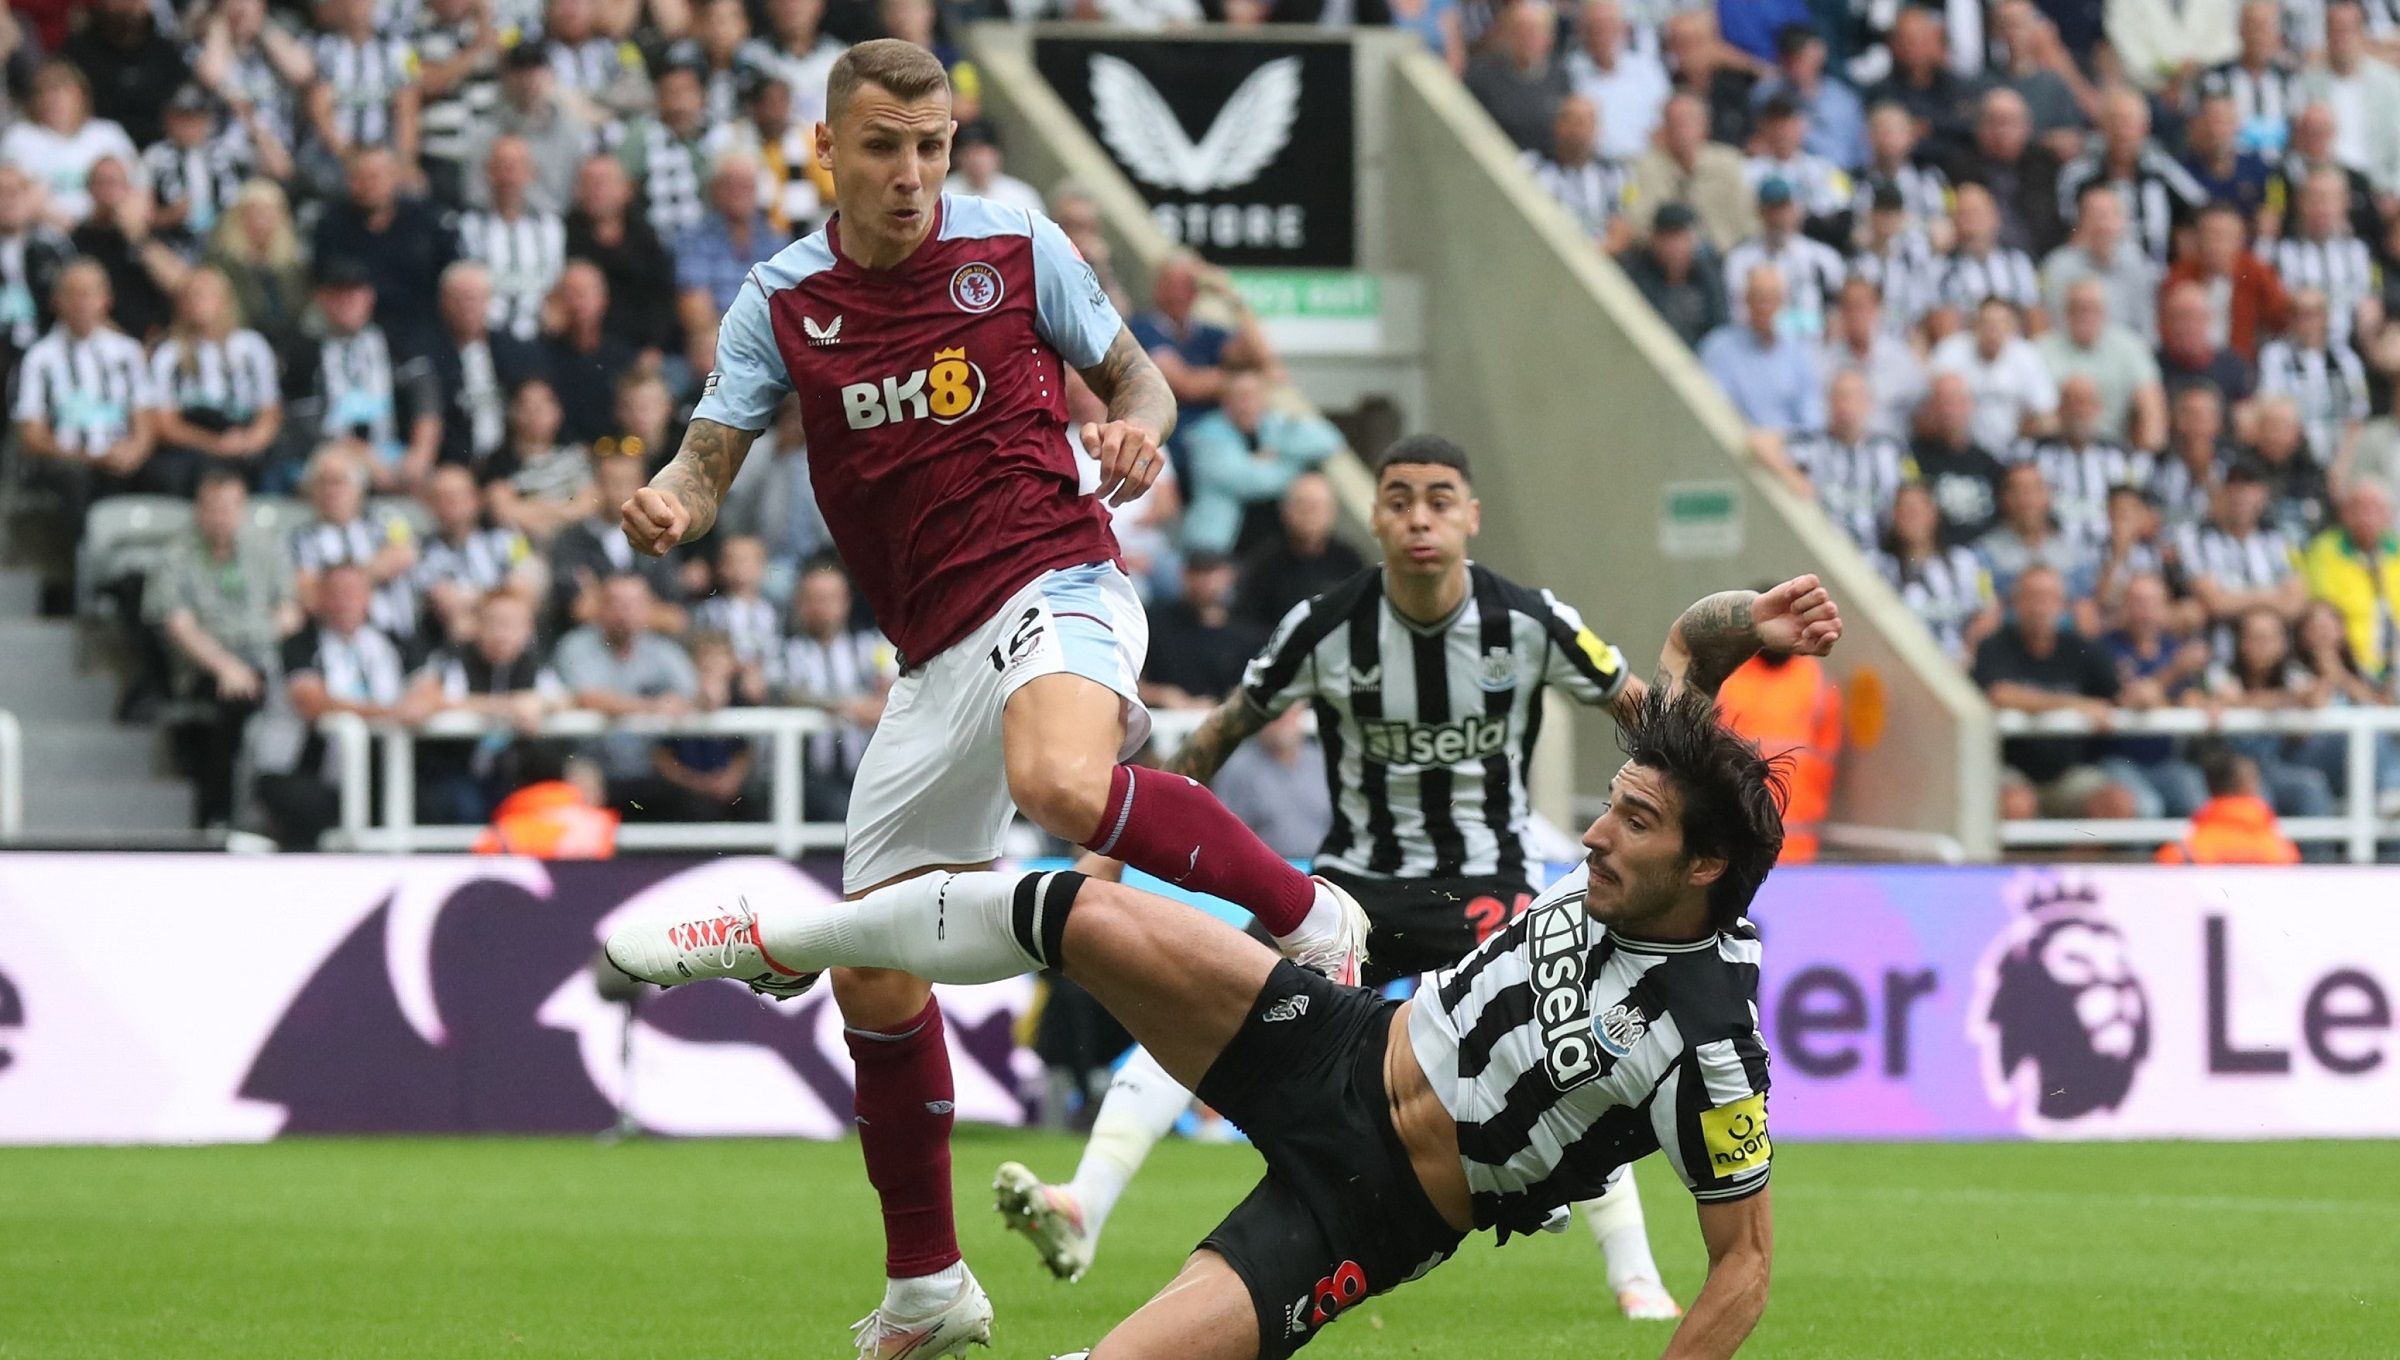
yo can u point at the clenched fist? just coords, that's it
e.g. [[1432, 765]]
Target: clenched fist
[[655, 521], [1128, 455]]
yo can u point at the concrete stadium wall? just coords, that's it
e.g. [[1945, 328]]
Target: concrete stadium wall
[[1581, 406]]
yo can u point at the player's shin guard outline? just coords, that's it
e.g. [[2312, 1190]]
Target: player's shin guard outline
[[1038, 916]]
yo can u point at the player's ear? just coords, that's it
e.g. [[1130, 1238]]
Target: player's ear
[[1474, 516], [1704, 871], [824, 146]]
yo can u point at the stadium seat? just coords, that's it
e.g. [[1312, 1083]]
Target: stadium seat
[[407, 507], [278, 516], [125, 536]]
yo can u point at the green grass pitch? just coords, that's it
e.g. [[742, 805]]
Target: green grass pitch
[[769, 1249]]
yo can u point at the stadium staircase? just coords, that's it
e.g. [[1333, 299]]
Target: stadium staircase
[[87, 777]]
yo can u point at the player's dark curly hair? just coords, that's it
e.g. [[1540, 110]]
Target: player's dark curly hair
[[1732, 795], [1426, 448]]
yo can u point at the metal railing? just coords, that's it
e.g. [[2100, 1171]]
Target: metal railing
[[12, 776], [2356, 829], [784, 730]]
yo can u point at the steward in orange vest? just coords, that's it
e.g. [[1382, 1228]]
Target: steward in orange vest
[[1792, 708]]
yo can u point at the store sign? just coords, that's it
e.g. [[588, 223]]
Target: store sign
[[1244, 149]]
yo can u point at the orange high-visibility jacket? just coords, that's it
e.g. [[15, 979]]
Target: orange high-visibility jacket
[[1794, 709], [2232, 830], [550, 821]]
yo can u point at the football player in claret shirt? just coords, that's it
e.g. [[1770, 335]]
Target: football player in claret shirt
[[927, 337]]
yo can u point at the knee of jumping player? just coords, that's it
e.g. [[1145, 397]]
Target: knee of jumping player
[[1064, 792], [878, 998]]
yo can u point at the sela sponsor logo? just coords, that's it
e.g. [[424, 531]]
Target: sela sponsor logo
[[1620, 1027], [1247, 134], [12, 1016], [1736, 1135], [1290, 1008], [1407, 743], [945, 392], [828, 334], [2064, 1023], [1562, 997], [976, 287]]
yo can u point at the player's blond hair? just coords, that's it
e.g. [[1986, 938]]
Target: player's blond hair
[[907, 71]]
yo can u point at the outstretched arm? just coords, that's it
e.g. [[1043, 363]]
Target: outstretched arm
[[1141, 414], [680, 504], [1741, 1245], [1717, 634]]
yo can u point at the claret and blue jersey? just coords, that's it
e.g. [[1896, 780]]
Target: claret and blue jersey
[[933, 398]]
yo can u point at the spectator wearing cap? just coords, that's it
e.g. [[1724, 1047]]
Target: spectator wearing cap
[[600, 77], [457, 46], [1572, 171], [531, 108], [1821, 188], [1243, 456], [1961, 471], [1686, 167], [475, 367], [2246, 301], [133, 68], [2188, 348], [194, 173], [523, 246], [1898, 258], [2015, 397], [2157, 190], [608, 229], [1893, 164], [365, 93], [2236, 561], [398, 243], [1303, 561], [1812, 272], [361, 390], [715, 255], [584, 361], [1860, 342], [1198, 644], [2213, 154], [795, 191], [58, 146], [1679, 275], [666, 153], [2100, 249], [1835, 116], [1629, 88], [981, 172], [2020, 173], [1771, 375], [1519, 79]]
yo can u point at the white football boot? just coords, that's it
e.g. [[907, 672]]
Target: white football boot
[[1048, 1215], [1340, 954], [1648, 1301], [966, 1320], [719, 942]]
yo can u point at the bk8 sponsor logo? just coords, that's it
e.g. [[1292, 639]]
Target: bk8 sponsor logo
[[948, 391]]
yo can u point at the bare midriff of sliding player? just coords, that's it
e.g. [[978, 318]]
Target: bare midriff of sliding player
[[926, 338]]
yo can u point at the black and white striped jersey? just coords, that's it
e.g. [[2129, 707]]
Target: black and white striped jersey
[[1593, 193], [1428, 728], [820, 671], [447, 121], [2159, 192], [364, 78], [2340, 267], [200, 179], [754, 627], [2261, 99], [2183, 495], [2262, 558], [318, 545], [1946, 591], [1565, 1051], [1909, 274], [236, 377], [1924, 194], [360, 388], [1812, 277], [525, 254], [1855, 482], [2328, 385], [671, 178], [2002, 273], [2079, 476], [87, 391], [480, 563]]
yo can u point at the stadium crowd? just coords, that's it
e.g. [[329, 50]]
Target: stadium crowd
[[2081, 319]]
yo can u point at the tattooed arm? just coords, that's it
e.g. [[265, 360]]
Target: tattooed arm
[[680, 504], [1717, 634], [1227, 726], [1141, 414]]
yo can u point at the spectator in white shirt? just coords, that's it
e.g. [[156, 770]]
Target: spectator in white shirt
[[980, 172], [1860, 342], [1812, 272], [2133, 403], [2014, 393], [2100, 249], [60, 144], [1629, 88]]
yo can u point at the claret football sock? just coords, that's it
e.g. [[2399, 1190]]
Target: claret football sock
[[1172, 827], [904, 1105]]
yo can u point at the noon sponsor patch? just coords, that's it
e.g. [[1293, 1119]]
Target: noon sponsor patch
[[1736, 1135]]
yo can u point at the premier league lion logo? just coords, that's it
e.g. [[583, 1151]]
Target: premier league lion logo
[[2065, 1023]]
